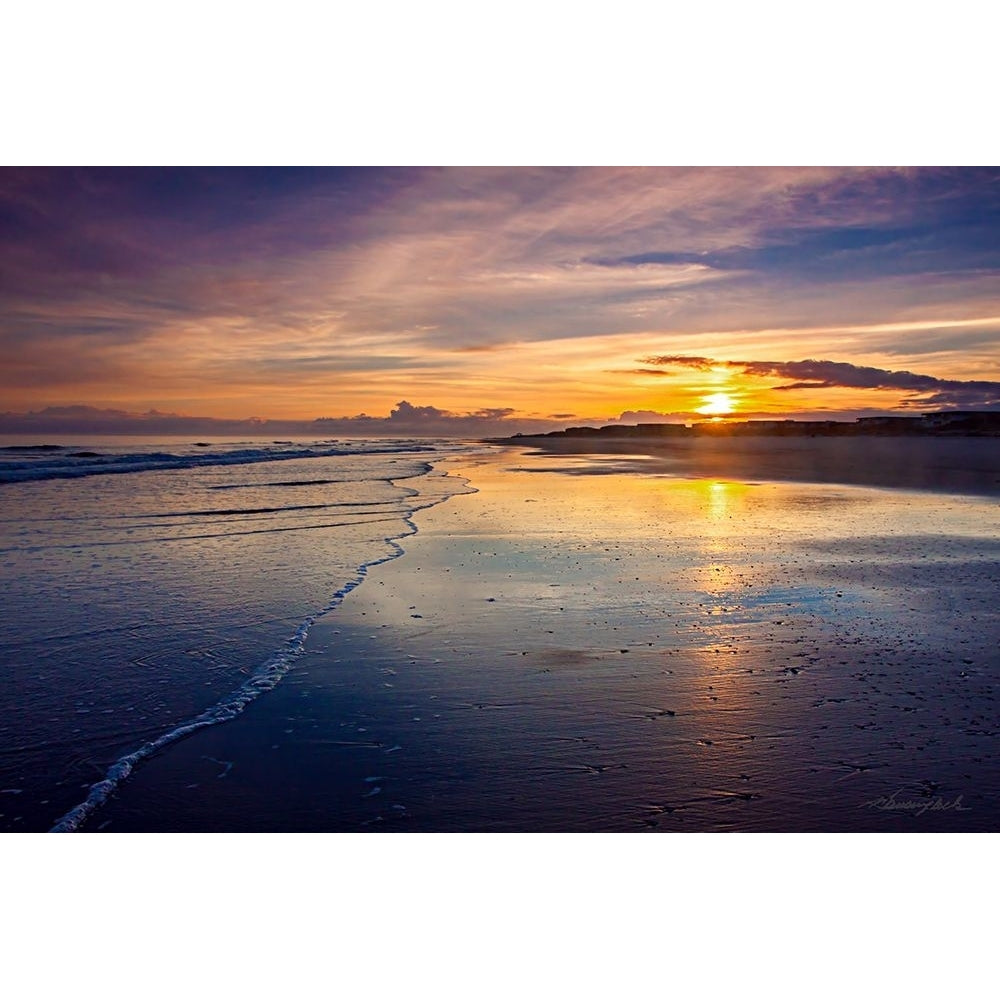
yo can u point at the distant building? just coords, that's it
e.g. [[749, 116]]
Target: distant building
[[976, 422], [891, 425], [889, 421]]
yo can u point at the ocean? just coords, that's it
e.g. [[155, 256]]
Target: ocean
[[152, 588]]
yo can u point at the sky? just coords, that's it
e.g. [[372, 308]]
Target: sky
[[476, 299]]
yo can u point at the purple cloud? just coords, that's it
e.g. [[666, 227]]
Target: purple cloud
[[930, 391], [405, 419]]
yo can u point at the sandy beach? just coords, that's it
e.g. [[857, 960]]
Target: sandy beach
[[598, 649]]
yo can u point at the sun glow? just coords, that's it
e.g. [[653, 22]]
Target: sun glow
[[717, 404]]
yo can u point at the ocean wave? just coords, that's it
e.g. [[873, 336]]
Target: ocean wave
[[265, 678], [56, 465]]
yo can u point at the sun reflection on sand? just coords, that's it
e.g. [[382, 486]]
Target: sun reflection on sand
[[719, 495], [724, 532]]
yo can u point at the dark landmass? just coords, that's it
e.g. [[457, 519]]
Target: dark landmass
[[955, 423], [947, 452]]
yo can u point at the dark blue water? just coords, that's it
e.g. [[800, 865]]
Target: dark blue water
[[139, 605]]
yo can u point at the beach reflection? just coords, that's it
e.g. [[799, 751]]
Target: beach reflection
[[620, 649], [597, 646], [723, 534], [718, 499]]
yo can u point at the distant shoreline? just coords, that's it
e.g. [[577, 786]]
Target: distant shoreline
[[945, 463], [945, 423]]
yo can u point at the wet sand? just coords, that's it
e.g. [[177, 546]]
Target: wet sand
[[598, 649], [967, 465]]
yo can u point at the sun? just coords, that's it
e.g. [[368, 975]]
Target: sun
[[717, 404]]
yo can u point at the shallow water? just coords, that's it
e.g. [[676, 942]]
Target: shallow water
[[135, 603]]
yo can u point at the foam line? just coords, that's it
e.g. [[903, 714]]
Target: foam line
[[264, 679]]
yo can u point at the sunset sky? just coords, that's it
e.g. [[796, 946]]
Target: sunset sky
[[532, 297]]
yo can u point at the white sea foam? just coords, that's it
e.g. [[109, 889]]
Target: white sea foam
[[264, 679], [23, 464], [136, 607]]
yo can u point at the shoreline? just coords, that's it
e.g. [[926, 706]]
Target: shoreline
[[942, 465], [523, 668], [262, 679]]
